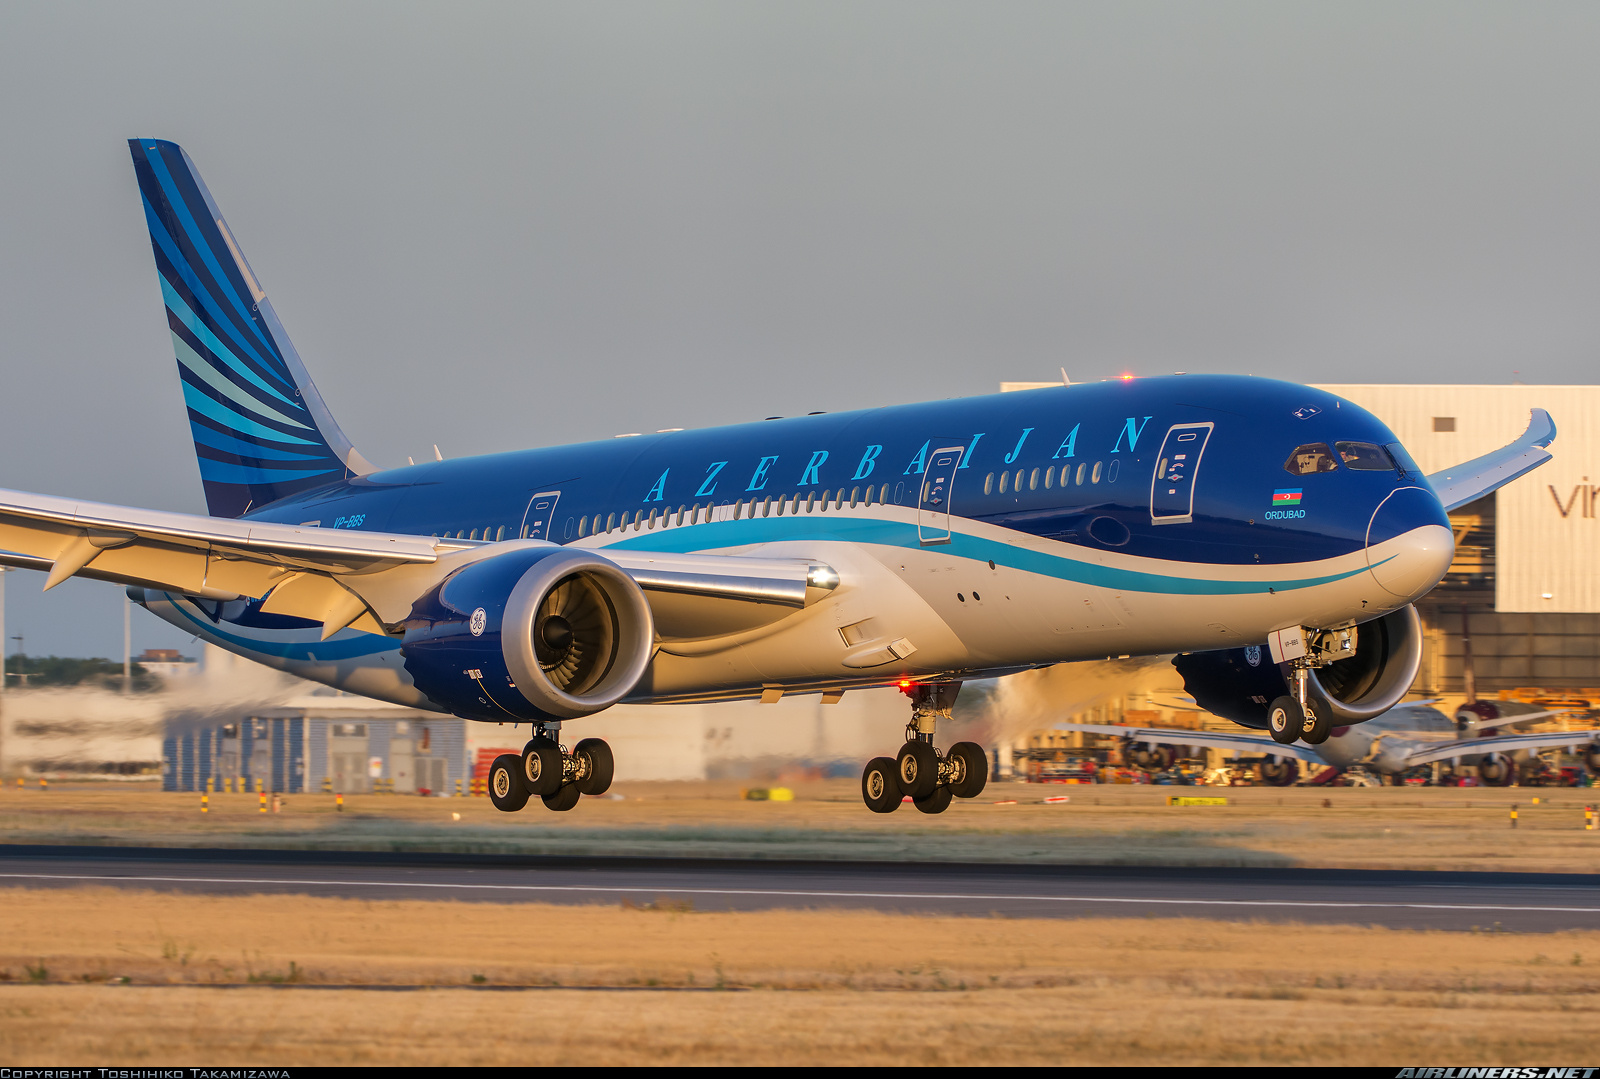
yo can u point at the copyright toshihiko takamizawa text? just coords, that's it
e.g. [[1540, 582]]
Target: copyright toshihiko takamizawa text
[[1496, 1073], [145, 1073]]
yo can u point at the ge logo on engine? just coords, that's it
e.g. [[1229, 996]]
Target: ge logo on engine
[[1252, 652], [480, 619]]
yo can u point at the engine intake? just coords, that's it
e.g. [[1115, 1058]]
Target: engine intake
[[541, 633], [1239, 683]]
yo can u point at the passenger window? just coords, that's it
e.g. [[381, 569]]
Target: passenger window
[[583, 527], [988, 484], [827, 497], [1081, 470], [1049, 477], [500, 533], [855, 496], [1364, 457], [1310, 458], [1095, 476], [1016, 481], [611, 522], [1033, 480]]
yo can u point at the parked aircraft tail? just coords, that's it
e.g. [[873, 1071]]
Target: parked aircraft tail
[[261, 430]]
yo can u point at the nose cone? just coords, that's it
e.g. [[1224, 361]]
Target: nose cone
[[1409, 543]]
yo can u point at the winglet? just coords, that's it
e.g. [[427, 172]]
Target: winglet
[[1482, 475]]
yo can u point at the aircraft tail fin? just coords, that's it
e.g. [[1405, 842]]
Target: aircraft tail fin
[[261, 430]]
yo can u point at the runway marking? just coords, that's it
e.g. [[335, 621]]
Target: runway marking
[[809, 894]]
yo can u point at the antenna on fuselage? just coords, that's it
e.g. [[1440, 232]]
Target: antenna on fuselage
[[1065, 381], [437, 456]]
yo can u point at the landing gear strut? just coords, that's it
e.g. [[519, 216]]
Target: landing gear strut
[[920, 772], [547, 771], [1301, 715]]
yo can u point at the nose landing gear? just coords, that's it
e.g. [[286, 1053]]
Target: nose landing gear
[[920, 772], [547, 771]]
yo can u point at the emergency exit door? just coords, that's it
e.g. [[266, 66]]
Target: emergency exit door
[[536, 522], [1172, 486], [933, 501]]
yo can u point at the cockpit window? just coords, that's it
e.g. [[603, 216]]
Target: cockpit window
[[1403, 459], [1364, 456], [1311, 458]]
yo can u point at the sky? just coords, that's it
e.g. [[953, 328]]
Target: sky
[[491, 226]]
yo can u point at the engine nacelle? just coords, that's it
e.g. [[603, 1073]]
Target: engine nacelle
[[1276, 773], [1239, 683], [1496, 770], [544, 633], [1148, 757]]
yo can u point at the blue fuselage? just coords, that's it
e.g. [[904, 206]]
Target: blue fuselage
[[1073, 465]]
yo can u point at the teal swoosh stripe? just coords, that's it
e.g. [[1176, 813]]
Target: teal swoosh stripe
[[723, 534], [333, 649]]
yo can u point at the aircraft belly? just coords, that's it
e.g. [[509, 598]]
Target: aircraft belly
[[364, 663]]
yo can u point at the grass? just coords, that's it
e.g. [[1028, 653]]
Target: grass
[[819, 987], [1411, 828]]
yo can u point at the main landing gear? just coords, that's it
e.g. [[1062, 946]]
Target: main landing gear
[[920, 772], [547, 771]]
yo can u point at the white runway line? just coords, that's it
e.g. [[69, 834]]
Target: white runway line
[[805, 894]]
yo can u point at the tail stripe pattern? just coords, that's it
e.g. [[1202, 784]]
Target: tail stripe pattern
[[255, 437]]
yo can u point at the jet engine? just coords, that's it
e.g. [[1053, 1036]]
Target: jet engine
[[1496, 770], [544, 633], [1147, 757], [1279, 773], [1239, 683]]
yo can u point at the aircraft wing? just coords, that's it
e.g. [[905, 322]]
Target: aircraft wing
[[345, 577], [1471, 481], [1168, 736], [1471, 747]]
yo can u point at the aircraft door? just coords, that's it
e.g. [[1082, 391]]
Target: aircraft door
[[540, 515], [1172, 486], [933, 501]]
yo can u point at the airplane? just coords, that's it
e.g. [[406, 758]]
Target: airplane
[[916, 546], [1405, 737]]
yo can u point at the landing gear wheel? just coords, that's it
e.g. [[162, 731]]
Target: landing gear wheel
[[1284, 720], [1317, 724], [880, 788], [937, 802], [917, 768], [972, 769], [595, 764], [506, 789], [563, 799], [541, 766]]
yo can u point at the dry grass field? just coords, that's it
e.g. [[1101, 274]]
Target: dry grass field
[[774, 987], [1348, 827]]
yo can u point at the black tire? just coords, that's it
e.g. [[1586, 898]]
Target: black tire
[[972, 769], [1284, 720], [541, 767], [506, 789], [596, 765], [563, 799], [1318, 723], [937, 802], [880, 788], [917, 769]]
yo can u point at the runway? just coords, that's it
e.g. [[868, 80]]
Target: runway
[[1510, 902]]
